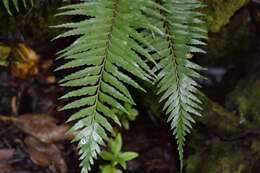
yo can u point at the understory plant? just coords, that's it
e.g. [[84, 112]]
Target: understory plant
[[115, 156], [125, 43], [124, 118]]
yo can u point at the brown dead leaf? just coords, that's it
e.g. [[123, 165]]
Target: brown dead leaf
[[28, 62], [43, 131], [46, 155], [5, 168], [6, 154], [41, 126]]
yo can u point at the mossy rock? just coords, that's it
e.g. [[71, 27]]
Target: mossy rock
[[219, 12], [218, 156], [233, 41], [244, 100]]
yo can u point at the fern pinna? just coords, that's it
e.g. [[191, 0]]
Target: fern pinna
[[15, 3], [110, 50]]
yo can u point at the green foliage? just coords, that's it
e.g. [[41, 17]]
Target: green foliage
[[119, 41], [176, 73], [108, 46], [124, 118], [5, 52], [115, 156], [16, 3]]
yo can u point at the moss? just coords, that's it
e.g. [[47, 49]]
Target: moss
[[245, 99], [226, 166], [255, 147], [220, 11], [217, 156], [228, 47], [226, 121]]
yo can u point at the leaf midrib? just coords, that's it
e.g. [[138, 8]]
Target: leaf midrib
[[174, 61], [108, 45]]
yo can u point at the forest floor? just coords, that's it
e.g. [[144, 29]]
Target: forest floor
[[32, 138]]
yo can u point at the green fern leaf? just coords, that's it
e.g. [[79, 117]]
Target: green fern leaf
[[7, 4], [176, 74], [108, 50]]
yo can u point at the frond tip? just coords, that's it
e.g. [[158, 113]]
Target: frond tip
[[176, 77]]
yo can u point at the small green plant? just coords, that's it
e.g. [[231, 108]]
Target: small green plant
[[124, 118], [115, 156]]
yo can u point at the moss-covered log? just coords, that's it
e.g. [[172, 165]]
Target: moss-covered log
[[219, 12]]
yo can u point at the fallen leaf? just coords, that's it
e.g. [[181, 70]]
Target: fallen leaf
[[27, 62], [46, 155], [6, 154], [41, 126], [6, 168]]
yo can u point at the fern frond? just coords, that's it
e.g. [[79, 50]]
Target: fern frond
[[7, 4], [109, 54], [176, 77]]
